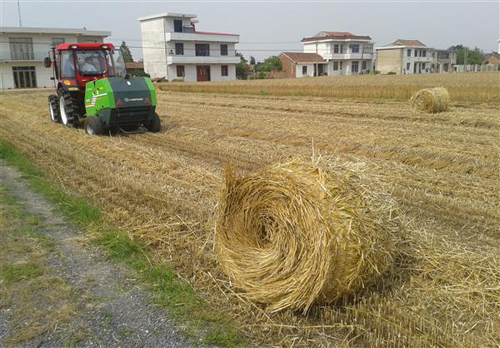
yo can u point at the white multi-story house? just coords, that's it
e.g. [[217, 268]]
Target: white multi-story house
[[404, 57], [22, 51], [443, 61], [341, 53], [173, 49]]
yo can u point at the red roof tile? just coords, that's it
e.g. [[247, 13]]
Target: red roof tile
[[341, 35], [401, 42], [304, 57]]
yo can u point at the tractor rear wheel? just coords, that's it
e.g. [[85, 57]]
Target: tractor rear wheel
[[67, 107], [154, 125], [55, 115], [93, 125]]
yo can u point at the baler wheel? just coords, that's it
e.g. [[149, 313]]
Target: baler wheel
[[55, 114], [154, 125], [93, 126], [67, 109]]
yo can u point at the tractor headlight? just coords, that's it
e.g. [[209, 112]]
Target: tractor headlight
[[73, 47]]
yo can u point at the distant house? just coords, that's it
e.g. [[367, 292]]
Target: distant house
[[303, 64], [344, 53], [135, 68], [404, 57], [175, 50], [493, 58], [22, 51], [443, 61]]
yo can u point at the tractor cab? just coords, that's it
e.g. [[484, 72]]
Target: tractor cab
[[91, 80], [76, 64]]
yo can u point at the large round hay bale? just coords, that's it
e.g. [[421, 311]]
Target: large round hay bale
[[295, 234], [431, 100]]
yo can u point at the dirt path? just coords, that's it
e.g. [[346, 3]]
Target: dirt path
[[108, 309]]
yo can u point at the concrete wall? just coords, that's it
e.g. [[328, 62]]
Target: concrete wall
[[288, 66], [191, 75], [43, 74], [390, 61], [153, 50]]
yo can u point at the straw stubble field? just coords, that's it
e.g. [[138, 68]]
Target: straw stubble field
[[443, 171]]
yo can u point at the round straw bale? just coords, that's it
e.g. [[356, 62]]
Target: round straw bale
[[295, 234], [431, 100]]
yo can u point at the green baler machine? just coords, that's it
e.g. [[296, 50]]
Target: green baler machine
[[116, 103]]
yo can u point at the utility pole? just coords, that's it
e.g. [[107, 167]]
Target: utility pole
[[19, 14], [465, 59]]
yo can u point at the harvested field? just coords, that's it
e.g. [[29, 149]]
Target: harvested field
[[163, 188], [465, 88]]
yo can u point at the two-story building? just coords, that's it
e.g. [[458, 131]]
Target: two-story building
[[330, 53], [443, 61], [404, 57], [22, 51], [173, 49]]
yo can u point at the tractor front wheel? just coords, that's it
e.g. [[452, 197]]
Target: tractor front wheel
[[154, 125], [93, 125], [67, 107], [55, 115]]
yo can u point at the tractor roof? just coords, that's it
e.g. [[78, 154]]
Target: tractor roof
[[85, 46]]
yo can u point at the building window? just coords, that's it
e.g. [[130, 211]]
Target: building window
[[178, 25], [424, 53], [24, 76], [224, 71], [363, 65], [179, 48], [202, 49], [408, 66], [354, 48], [335, 48], [180, 71], [367, 48], [408, 53], [416, 53], [21, 48], [341, 49], [304, 70], [335, 66], [67, 65], [223, 49], [57, 40], [355, 67]]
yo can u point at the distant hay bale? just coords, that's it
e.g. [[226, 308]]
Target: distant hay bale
[[295, 234], [431, 100]]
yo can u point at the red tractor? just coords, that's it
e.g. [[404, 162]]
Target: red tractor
[[92, 84]]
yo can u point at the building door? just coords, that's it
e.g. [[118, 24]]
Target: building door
[[203, 72], [24, 76]]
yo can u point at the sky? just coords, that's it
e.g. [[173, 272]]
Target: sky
[[270, 27]]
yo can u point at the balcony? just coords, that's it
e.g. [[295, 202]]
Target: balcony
[[340, 56], [5, 56], [181, 59], [199, 37]]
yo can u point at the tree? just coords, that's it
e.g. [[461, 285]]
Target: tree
[[242, 68], [272, 63], [252, 60], [127, 55], [474, 56]]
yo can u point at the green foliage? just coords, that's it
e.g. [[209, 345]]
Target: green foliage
[[14, 273], [242, 68], [474, 56], [127, 55], [272, 63], [252, 60]]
